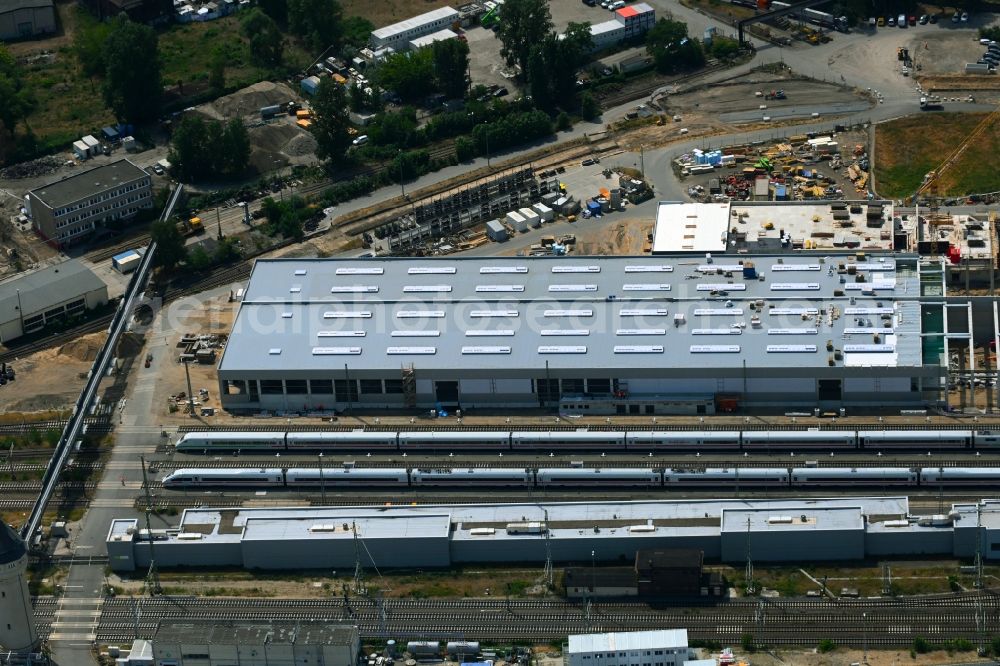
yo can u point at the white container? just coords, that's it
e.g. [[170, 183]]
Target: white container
[[544, 212], [517, 221], [532, 218]]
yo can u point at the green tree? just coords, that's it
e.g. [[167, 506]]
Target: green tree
[[523, 24], [410, 74], [747, 642], [356, 97], [563, 122], [538, 79], [451, 64], [356, 31], [995, 645], [198, 259], [589, 108], [396, 129], [580, 40], [234, 148], [88, 43], [465, 149], [188, 146], [724, 48], [330, 121], [217, 71], [826, 645], [921, 645], [170, 249], [16, 99], [276, 9], [266, 42], [132, 83], [672, 50], [318, 22]]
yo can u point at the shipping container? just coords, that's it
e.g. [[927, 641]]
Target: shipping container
[[126, 262]]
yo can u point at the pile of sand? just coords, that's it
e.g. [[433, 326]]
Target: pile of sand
[[248, 101], [83, 349]]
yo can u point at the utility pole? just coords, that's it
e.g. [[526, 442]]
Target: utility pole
[[751, 588], [218, 221], [187, 375], [548, 553], [864, 627], [152, 576], [886, 579], [358, 572], [322, 481], [979, 546]]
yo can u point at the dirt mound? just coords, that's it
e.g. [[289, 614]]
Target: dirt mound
[[273, 144], [83, 349], [129, 344], [248, 101]]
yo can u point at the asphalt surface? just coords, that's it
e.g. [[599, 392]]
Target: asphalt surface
[[76, 618]]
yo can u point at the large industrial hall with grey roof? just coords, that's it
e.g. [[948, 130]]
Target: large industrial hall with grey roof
[[593, 335]]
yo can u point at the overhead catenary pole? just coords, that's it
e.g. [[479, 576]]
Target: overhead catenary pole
[[322, 481], [187, 375], [152, 576]]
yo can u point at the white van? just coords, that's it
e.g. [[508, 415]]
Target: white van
[[616, 5], [361, 140]]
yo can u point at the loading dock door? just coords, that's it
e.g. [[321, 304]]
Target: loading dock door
[[446, 392], [831, 390]]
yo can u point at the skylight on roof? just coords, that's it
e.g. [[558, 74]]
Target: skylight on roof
[[792, 331], [789, 268], [426, 288], [790, 349], [714, 349], [868, 311], [416, 314], [639, 349], [358, 270], [717, 331], [341, 334], [869, 349], [795, 286], [479, 314], [355, 289], [867, 330], [336, 351], [496, 288], [722, 312], [572, 287], [646, 287], [565, 331], [486, 270], [576, 269], [300, 271], [649, 268], [643, 312], [794, 311], [641, 331], [295, 289], [274, 351], [568, 313], [484, 333], [416, 334], [557, 349], [722, 286], [347, 314], [485, 350], [432, 270], [411, 350]]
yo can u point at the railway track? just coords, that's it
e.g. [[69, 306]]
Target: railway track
[[638, 93], [885, 622], [130, 243]]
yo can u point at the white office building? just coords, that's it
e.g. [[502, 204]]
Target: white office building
[[665, 647]]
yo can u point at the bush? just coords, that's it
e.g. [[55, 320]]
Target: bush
[[563, 122], [747, 643], [826, 645], [921, 645]]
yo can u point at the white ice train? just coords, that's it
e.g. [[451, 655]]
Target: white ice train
[[593, 440], [572, 477]]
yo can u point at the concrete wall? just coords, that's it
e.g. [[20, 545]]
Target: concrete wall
[[322, 553], [909, 542], [621, 548], [794, 545]]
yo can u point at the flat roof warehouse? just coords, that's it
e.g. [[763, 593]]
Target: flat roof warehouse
[[482, 314]]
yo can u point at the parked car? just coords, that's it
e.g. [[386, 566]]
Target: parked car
[[913, 20], [616, 5], [881, 21], [965, 17], [901, 21], [923, 19], [892, 22], [361, 140], [933, 19], [956, 17], [157, 169]]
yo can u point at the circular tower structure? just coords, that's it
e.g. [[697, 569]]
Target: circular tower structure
[[17, 622]]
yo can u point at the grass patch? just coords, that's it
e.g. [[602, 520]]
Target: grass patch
[[908, 148]]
